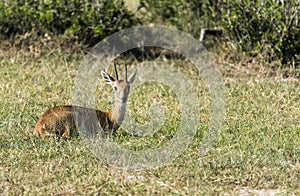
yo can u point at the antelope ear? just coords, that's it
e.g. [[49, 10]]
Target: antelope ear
[[108, 79], [132, 78]]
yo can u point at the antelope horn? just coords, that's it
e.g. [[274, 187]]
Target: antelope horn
[[125, 72], [116, 72]]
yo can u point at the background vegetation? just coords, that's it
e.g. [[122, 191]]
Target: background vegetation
[[256, 27], [84, 21]]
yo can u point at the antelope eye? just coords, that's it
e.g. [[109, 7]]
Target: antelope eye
[[115, 88]]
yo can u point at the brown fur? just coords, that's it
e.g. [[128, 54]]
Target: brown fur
[[65, 120]]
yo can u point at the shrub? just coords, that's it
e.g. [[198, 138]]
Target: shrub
[[84, 20], [261, 25], [256, 26]]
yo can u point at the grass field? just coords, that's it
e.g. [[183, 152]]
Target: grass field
[[258, 151]]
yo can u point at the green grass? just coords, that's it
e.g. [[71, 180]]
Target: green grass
[[258, 149]]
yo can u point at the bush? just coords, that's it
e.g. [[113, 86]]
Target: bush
[[255, 26], [84, 20], [265, 25], [189, 16]]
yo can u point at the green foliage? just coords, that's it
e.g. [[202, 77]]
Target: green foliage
[[189, 16], [265, 25], [269, 27], [255, 26], [87, 21]]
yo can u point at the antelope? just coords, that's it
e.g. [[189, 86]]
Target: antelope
[[65, 119]]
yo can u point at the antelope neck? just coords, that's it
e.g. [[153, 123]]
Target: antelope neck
[[119, 112]]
